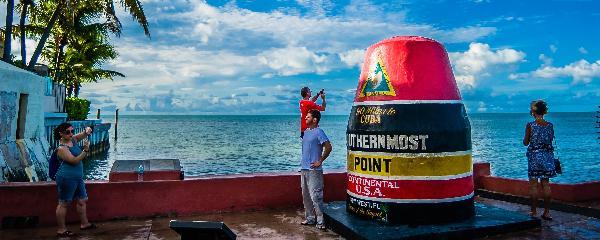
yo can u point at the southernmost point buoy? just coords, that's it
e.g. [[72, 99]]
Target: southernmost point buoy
[[408, 137]]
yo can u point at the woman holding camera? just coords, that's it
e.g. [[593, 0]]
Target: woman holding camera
[[69, 177]]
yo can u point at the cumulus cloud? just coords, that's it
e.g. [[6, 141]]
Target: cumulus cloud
[[294, 60], [331, 34], [553, 48], [581, 71], [207, 53], [515, 76], [317, 7], [547, 61], [582, 50], [203, 42], [353, 57], [479, 59], [481, 107]]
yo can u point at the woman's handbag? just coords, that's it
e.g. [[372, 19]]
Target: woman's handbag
[[557, 166]]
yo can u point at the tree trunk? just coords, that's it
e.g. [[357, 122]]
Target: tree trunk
[[69, 90], [61, 43], [42, 42], [22, 28], [77, 88], [10, 6]]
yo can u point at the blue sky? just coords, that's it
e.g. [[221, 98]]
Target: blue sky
[[252, 57]]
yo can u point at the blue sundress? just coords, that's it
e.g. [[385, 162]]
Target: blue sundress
[[540, 153]]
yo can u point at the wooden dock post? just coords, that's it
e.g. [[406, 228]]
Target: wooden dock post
[[116, 122], [98, 114]]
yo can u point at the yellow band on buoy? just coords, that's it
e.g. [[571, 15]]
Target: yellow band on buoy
[[408, 165]]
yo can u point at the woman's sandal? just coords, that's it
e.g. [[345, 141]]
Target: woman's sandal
[[91, 226], [65, 234], [305, 222], [546, 217]]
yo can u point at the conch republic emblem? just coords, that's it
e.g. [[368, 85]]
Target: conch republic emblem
[[409, 137]]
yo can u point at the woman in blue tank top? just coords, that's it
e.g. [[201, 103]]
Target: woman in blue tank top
[[69, 177], [539, 135]]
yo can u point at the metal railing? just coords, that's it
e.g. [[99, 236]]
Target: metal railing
[[58, 91]]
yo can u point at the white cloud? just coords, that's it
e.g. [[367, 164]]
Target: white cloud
[[317, 7], [294, 60], [481, 107], [580, 71], [547, 61], [467, 34], [353, 57], [553, 48], [514, 76], [208, 53], [226, 41], [332, 34], [479, 59], [467, 81], [582, 50]]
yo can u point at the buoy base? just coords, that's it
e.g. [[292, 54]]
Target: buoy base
[[411, 213], [488, 221]]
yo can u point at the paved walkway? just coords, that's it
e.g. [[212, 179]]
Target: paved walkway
[[283, 224], [269, 224], [563, 226]]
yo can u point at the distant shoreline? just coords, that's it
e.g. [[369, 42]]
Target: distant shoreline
[[92, 116]]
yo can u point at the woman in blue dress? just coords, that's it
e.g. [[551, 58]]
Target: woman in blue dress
[[539, 135]]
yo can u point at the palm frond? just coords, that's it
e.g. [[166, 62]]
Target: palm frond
[[136, 10]]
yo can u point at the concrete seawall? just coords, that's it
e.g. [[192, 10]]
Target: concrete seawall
[[111, 200], [227, 193]]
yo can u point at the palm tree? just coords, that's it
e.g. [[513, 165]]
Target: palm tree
[[106, 7], [84, 62], [10, 7], [80, 47], [24, 5]]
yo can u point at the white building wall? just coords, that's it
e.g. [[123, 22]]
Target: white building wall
[[22, 159]]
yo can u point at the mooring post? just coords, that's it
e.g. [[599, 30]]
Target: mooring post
[[116, 122], [98, 114]]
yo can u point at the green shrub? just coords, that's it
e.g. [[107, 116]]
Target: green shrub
[[77, 108]]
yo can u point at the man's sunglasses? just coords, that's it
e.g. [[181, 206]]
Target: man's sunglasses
[[69, 132]]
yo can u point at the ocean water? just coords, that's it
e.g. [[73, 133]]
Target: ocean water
[[214, 145]]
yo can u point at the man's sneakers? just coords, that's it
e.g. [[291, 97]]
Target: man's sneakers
[[321, 227], [318, 226]]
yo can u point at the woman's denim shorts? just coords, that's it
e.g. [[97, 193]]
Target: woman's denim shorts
[[70, 189]]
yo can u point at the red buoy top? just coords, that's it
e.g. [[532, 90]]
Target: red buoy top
[[406, 68]]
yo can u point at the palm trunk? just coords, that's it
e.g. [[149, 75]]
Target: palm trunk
[[22, 28], [60, 77], [42, 42], [61, 43], [77, 88], [10, 6], [69, 90]]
